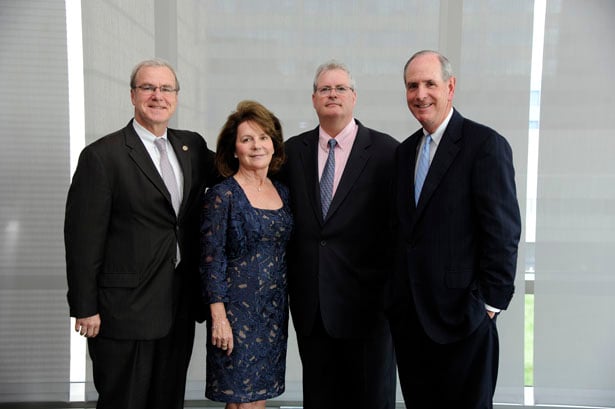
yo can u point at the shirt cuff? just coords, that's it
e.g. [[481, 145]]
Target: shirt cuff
[[492, 309]]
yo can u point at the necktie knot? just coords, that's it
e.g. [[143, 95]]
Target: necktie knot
[[161, 145]]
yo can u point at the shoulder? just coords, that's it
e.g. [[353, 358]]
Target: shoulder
[[482, 135], [302, 138], [186, 137], [411, 139], [184, 134], [107, 149], [280, 186], [224, 188], [378, 138], [109, 141]]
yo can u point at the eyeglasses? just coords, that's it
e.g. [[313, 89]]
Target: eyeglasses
[[150, 89], [339, 89]]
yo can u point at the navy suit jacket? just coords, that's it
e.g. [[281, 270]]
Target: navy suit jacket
[[341, 265], [457, 248], [121, 234]]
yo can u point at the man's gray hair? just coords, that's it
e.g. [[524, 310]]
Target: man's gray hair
[[155, 62], [445, 64], [333, 65]]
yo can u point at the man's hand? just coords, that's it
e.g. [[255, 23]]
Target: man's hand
[[88, 326]]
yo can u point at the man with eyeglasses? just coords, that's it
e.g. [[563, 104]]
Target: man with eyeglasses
[[132, 248], [339, 256]]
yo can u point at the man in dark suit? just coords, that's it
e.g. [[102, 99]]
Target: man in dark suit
[[339, 258], [132, 248], [457, 242]]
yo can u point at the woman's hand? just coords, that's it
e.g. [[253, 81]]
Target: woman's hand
[[221, 331]]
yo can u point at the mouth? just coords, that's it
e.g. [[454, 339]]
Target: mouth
[[423, 105]]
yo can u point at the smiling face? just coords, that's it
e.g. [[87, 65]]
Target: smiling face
[[253, 147], [334, 105], [429, 97], [153, 110]]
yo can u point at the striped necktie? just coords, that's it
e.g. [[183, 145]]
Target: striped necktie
[[421, 169], [326, 180]]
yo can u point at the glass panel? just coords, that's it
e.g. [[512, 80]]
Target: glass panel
[[575, 284], [34, 347]]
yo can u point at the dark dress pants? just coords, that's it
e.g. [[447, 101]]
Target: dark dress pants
[[347, 373], [134, 374], [459, 375]]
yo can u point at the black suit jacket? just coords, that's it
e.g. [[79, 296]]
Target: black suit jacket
[[458, 246], [121, 234], [342, 264]]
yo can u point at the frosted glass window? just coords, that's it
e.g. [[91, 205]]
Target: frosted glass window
[[34, 324], [575, 244]]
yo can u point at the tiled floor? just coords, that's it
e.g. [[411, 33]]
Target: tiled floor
[[199, 405]]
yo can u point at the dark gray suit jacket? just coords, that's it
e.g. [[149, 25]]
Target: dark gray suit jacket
[[121, 234]]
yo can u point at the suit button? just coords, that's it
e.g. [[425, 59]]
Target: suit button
[[323, 243]]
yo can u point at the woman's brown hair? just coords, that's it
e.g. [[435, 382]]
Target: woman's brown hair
[[226, 163]]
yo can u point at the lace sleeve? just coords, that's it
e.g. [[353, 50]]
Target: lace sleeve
[[214, 225]]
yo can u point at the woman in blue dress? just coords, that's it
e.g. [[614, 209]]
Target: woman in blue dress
[[246, 225]]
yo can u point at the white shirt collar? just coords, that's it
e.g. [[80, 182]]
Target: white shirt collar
[[437, 135], [145, 134]]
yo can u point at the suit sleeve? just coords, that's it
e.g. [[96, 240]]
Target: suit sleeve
[[88, 209], [212, 177], [499, 221]]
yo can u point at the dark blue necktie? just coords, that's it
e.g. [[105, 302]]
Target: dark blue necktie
[[326, 180]]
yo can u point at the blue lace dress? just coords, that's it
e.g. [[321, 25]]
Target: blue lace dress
[[243, 265]]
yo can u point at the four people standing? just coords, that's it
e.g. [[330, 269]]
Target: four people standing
[[339, 256], [132, 248], [457, 245], [447, 228]]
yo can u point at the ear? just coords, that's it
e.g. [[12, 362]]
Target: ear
[[451, 87]]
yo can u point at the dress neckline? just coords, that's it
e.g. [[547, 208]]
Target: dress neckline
[[250, 203]]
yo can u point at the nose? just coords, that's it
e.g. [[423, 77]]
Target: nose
[[421, 92], [333, 93], [157, 93], [257, 143]]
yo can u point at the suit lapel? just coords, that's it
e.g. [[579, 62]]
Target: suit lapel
[[143, 160], [309, 162], [406, 174], [359, 155]]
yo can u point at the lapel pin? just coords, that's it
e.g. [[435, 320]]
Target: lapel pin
[[184, 148]]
